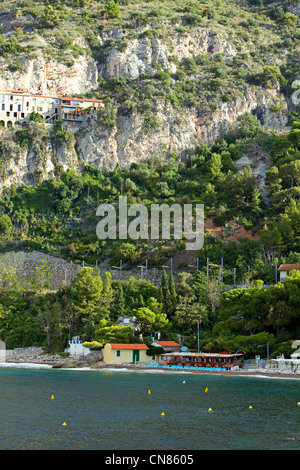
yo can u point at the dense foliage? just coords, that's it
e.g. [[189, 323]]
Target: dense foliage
[[58, 215], [253, 319]]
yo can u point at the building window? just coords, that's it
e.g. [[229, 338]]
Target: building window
[[11, 97], [118, 353], [10, 107], [27, 104], [3, 107], [22, 115], [19, 107], [15, 114]]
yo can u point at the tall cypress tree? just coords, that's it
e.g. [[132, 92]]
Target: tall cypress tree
[[118, 303], [166, 295], [173, 294]]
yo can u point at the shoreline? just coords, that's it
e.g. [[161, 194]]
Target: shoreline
[[263, 373]]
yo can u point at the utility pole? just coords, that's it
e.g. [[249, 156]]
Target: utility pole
[[142, 267], [120, 268]]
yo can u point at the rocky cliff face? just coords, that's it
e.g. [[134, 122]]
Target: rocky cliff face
[[142, 53], [178, 129], [42, 76]]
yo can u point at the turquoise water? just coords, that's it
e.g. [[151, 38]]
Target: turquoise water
[[108, 410]]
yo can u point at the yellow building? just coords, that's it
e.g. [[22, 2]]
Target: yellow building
[[114, 353]]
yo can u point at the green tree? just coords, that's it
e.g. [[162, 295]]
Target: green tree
[[166, 295], [161, 320], [273, 180], [271, 73], [117, 307], [87, 299], [288, 19], [201, 289], [248, 125], [49, 16], [123, 252], [49, 314], [173, 294], [40, 279], [107, 114], [215, 167], [110, 333], [281, 147], [209, 196], [271, 240], [294, 138], [6, 227], [36, 117], [113, 9], [291, 172], [188, 315], [145, 319]]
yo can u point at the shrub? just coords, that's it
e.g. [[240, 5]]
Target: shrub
[[36, 117], [150, 122], [49, 17], [288, 19], [154, 351], [22, 137], [107, 114], [189, 65], [192, 19], [113, 9]]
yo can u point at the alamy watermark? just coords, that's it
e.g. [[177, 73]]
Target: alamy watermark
[[2, 351], [296, 94], [166, 222]]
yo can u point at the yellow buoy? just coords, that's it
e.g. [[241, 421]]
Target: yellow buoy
[[64, 424], [250, 407], [206, 390], [162, 414], [209, 409], [52, 397], [149, 391]]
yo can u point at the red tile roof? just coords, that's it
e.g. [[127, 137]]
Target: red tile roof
[[52, 97], [127, 346], [289, 267], [167, 343]]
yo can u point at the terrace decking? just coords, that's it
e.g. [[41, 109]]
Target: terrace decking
[[203, 361]]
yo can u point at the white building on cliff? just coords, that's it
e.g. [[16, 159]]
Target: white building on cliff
[[16, 107]]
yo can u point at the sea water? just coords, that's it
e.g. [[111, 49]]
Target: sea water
[[54, 409]]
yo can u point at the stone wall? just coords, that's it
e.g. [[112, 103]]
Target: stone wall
[[64, 271]]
